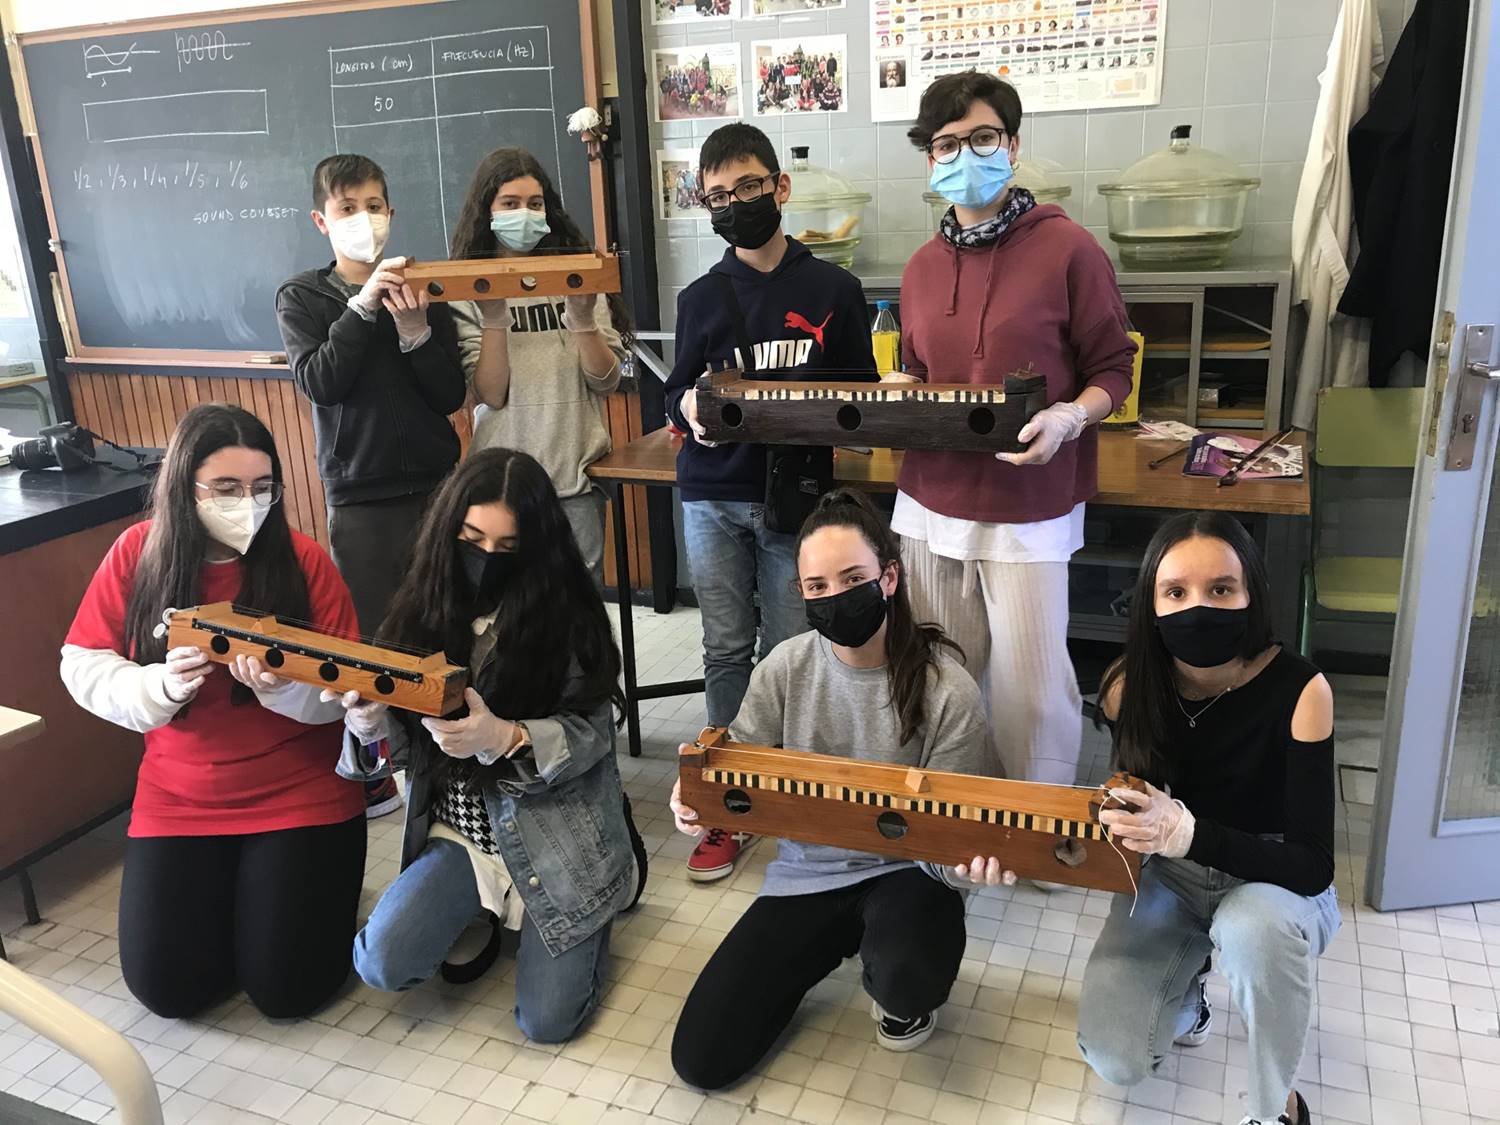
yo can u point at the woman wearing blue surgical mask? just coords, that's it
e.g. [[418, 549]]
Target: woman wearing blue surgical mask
[[1234, 736], [539, 367], [1006, 284]]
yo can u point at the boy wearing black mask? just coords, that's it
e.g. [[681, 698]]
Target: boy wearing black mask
[[799, 313]]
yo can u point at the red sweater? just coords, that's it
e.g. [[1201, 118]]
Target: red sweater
[[1044, 294], [220, 769]]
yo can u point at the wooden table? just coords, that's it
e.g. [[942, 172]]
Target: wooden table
[[28, 384], [1125, 481]]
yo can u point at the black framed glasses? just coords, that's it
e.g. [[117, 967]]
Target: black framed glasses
[[224, 493], [747, 192], [983, 141]]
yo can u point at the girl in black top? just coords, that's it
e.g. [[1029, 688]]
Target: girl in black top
[[1234, 736]]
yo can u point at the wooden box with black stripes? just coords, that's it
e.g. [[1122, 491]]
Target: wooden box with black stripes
[[1048, 832], [960, 417]]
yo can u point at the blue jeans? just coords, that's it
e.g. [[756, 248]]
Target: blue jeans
[[734, 557], [1265, 939], [424, 911]]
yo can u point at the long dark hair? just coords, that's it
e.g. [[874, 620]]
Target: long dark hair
[[473, 238], [911, 648], [1144, 676], [176, 546], [550, 613]]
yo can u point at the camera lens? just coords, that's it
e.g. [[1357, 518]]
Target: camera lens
[[34, 453]]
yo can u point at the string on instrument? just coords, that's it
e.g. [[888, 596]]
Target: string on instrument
[[1109, 837], [313, 626]]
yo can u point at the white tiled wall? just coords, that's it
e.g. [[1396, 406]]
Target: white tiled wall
[[1243, 73]]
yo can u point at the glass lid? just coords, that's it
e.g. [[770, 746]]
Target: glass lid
[[1181, 169], [814, 187]]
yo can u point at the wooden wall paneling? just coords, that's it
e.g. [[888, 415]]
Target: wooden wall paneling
[[289, 447], [314, 482]]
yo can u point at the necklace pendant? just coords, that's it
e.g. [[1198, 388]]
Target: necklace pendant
[[1193, 723]]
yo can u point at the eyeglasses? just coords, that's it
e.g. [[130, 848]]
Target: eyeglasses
[[747, 192], [224, 493], [983, 141]]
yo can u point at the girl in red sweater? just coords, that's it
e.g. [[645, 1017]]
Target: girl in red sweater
[[246, 850], [986, 539]]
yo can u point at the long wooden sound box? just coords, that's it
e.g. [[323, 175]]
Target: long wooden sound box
[[1048, 832], [963, 417], [540, 275], [428, 684]]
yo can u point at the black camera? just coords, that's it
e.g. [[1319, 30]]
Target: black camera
[[65, 445]]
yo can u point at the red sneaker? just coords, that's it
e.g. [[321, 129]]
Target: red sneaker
[[717, 853]]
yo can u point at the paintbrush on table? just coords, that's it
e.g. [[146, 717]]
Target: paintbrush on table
[[1233, 476]]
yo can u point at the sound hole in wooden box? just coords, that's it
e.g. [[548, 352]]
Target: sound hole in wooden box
[[737, 801], [575, 281], [528, 283], [1070, 853], [219, 645], [981, 419], [849, 418], [481, 285], [731, 415], [384, 685], [328, 670], [435, 288], [275, 658], [892, 825]]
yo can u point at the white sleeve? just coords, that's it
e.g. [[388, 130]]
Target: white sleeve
[[125, 693], [300, 703]]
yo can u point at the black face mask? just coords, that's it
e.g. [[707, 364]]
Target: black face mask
[[748, 226], [484, 572], [851, 618], [1204, 636]]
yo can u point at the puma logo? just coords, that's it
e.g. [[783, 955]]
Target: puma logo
[[801, 323]]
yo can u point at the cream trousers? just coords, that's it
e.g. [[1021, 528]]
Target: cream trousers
[[1011, 619]]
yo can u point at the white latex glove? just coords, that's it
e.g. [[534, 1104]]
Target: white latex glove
[[494, 313], [480, 730], [578, 314], [387, 275], [898, 377], [252, 673], [690, 412], [1155, 825], [408, 309], [365, 719], [986, 873], [183, 672], [1046, 432], [685, 817]]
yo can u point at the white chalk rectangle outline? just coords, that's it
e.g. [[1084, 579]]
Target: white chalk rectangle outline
[[265, 116]]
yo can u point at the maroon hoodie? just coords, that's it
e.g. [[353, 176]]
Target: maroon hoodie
[[1044, 295]]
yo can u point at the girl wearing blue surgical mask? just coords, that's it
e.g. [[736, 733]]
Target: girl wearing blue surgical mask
[[539, 368]]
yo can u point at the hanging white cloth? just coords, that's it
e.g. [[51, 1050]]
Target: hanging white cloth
[[1336, 350]]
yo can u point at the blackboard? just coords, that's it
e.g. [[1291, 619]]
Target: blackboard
[[178, 160]]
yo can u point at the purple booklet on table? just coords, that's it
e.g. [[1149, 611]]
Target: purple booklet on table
[[1215, 455]]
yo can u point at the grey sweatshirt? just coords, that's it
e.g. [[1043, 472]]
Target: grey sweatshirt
[[803, 697], [554, 411]]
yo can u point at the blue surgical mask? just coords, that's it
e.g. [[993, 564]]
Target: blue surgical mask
[[973, 181], [520, 230]]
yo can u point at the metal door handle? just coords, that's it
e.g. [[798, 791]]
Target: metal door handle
[[1482, 370]]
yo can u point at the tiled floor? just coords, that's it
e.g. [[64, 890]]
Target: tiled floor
[[1406, 1031]]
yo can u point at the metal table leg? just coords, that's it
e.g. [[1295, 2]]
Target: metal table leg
[[627, 623]]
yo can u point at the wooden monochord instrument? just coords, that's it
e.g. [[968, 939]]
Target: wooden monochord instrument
[[1049, 832], [541, 275], [967, 417], [428, 685]]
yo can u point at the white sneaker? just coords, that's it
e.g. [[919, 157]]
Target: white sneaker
[[896, 1034]]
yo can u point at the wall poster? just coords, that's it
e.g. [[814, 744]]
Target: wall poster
[[1059, 54]]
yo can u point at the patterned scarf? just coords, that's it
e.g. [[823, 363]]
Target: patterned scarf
[[988, 232]]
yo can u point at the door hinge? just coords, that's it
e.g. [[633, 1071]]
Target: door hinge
[[1442, 348]]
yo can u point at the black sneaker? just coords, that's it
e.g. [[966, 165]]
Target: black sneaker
[[1197, 1035], [1303, 1116], [638, 847], [896, 1034]]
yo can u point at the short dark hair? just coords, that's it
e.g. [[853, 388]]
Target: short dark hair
[[738, 141], [345, 170], [950, 97]]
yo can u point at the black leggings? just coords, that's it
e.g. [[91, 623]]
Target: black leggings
[[907, 928], [272, 913]]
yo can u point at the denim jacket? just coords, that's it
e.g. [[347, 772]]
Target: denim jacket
[[556, 813]]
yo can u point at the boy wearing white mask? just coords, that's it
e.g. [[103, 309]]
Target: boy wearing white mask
[[541, 367], [381, 369]]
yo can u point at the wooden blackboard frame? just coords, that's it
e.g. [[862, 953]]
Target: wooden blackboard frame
[[134, 358]]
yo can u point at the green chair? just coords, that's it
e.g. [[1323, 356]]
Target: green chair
[[1359, 428]]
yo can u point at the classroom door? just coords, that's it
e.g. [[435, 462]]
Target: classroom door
[[1436, 832]]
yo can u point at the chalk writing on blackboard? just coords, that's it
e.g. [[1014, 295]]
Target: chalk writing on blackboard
[[205, 46], [100, 62], [187, 175], [196, 113]]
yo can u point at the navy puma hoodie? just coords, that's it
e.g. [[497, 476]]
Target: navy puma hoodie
[[806, 316]]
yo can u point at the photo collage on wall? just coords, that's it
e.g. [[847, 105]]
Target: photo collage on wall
[[1059, 54], [787, 75]]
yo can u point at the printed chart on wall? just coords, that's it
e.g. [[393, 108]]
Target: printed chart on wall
[[1059, 54]]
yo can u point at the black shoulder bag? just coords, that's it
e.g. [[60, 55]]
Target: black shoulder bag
[[796, 475]]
